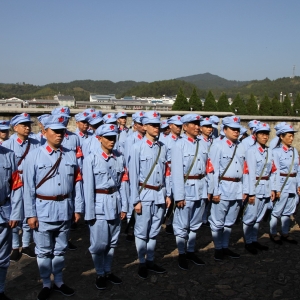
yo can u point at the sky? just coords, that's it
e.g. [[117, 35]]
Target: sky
[[64, 40]]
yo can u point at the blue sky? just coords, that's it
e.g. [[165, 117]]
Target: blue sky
[[64, 40]]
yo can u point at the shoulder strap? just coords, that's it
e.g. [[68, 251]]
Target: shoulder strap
[[152, 169], [290, 170], [224, 172], [262, 171], [193, 162], [25, 153]]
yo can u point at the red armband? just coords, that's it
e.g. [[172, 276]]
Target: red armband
[[168, 170], [16, 180], [77, 175], [125, 176], [246, 170], [78, 152], [274, 169], [209, 166]]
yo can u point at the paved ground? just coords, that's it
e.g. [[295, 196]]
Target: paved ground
[[274, 274]]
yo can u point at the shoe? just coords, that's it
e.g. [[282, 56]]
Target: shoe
[[206, 224], [155, 268], [28, 252], [182, 262], [44, 294], [71, 246], [230, 253], [250, 248], [4, 297], [73, 226], [218, 254], [130, 238], [275, 239], [143, 271], [195, 259], [64, 289], [169, 229], [15, 255], [289, 239], [101, 283], [259, 246], [113, 278]]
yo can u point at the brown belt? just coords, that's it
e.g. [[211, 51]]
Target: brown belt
[[263, 178], [152, 187], [291, 175], [200, 176], [231, 179], [108, 191], [54, 198]]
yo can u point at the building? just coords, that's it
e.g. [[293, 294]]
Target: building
[[41, 103], [65, 100], [12, 102], [102, 98]]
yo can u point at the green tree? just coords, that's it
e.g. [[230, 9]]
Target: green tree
[[223, 104], [286, 106], [181, 102], [238, 106], [252, 106], [276, 106], [265, 108], [210, 102], [297, 105], [195, 102]]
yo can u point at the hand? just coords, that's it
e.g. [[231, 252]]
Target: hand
[[251, 199], [180, 204], [209, 197], [278, 194], [272, 195], [122, 215], [138, 208], [33, 222], [76, 217], [168, 202], [12, 224], [216, 199]]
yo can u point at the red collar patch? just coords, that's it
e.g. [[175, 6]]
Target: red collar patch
[[139, 137], [260, 149], [104, 155], [49, 149], [19, 141], [66, 135], [81, 134], [149, 143], [191, 140], [253, 137], [285, 148], [229, 143], [174, 137]]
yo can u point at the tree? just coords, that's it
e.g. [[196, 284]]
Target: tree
[[238, 106], [195, 102], [181, 102], [286, 106], [223, 104], [297, 105], [276, 106], [210, 102], [252, 106], [265, 107]]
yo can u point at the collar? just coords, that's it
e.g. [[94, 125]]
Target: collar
[[66, 135], [150, 144], [261, 150], [139, 136], [50, 150], [107, 156], [253, 137], [229, 143], [174, 137], [191, 139], [286, 149], [81, 134]]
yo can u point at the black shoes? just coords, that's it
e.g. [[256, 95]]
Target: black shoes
[[251, 248], [71, 246], [276, 239], [151, 266], [4, 297], [101, 283], [64, 289], [218, 254], [182, 262], [113, 278], [169, 229], [15, 255], [259, 246], [143, 271], [194, 258], [230, 253], [44, 294], [289, 239], [28, 252]]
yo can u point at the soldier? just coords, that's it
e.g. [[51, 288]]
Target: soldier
[[227, 159], [52, 198], [243, 133], [123, 130], [189, 187], [40, 136], [275, 140], [250, 140], [11, 209], [21, 144], [164, 130], [4, 130], [105, 201], [286, 186], [110, 118], [215, 122], [147, 163], [206, 131], [82, 127]]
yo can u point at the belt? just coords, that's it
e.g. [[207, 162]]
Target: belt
[[54, 198], [291, 175], [108, 191], [263, 178], [152, 187], [200, 176], [231, 179]]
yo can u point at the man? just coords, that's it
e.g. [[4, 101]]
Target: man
[[11, 209], [52, 198], [40, 136], [4, 130], [250, 140], [21, 144], [215, 122], [82, 127], [123, 130], [148, 160], [206, 130], [188, 158], [226, 160], [103, 177], [164, 130]]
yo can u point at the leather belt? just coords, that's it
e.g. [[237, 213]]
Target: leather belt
[[152, 187], [200, 176], [108, 191], [263, 178], [231, 179], [53, 198], [291, 175]]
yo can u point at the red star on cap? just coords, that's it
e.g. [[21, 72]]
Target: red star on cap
[[141, 114], [92, 110], [60, 119], [198, 118], [255, 121], [291, 126], [264, 124], [179, 118], [155, 114], [3, 122], [85, 114], [25, 114], [235, 119], [94, 116], [123, 113], [109, 116], [206, 119], [62, 110], [112, 127]]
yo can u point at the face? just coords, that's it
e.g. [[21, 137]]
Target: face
[[166, 131], [192, 129], [54, 137], [175, 129], [206, 130], [139, 127], [287, 139], [107, 142], [262, 137], [23, 129], [83, 126], [122, 121], [4, 135], [152, 129], [95, 126], [232, 133]]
